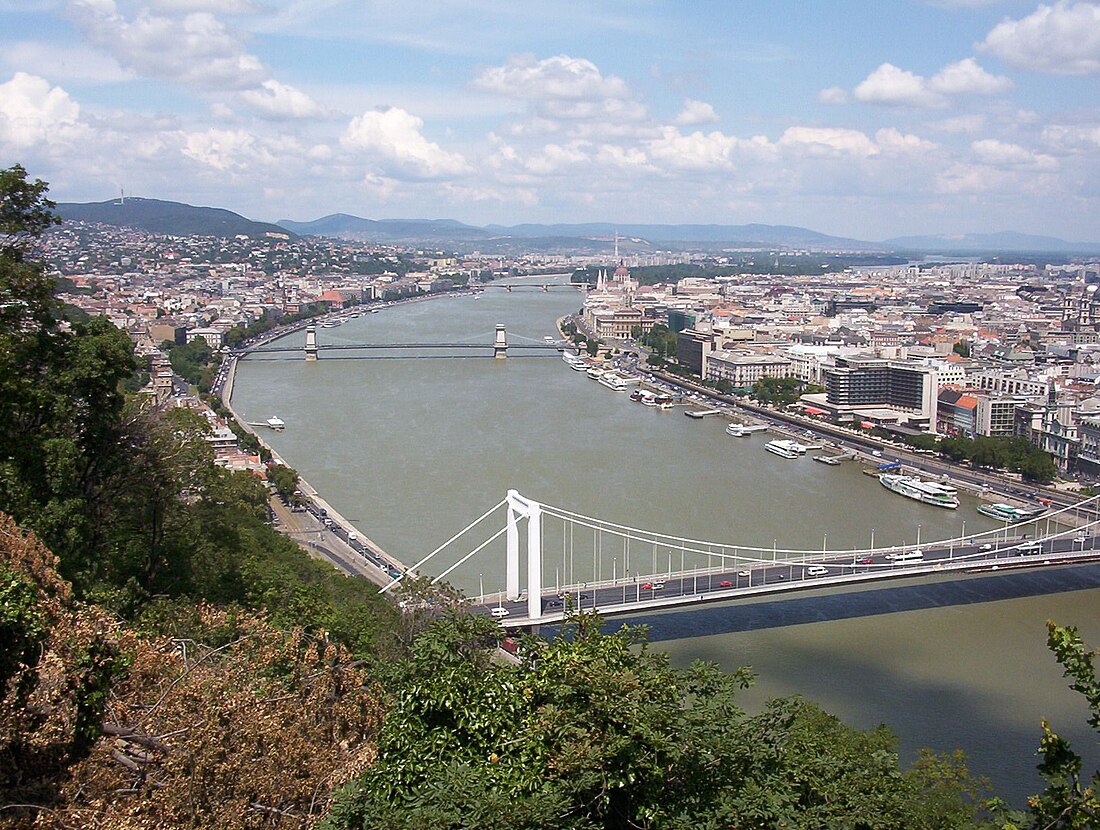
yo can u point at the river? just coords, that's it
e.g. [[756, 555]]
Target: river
[[411, 450]]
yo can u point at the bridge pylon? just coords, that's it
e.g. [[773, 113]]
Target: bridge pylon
[[311, 342], [500, 344], [519, 508]]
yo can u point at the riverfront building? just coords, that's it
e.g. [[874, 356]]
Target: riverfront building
[[887, 391]]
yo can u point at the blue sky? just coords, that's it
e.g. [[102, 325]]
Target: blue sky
[[866, 119]]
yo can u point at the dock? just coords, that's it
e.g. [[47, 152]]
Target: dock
[[702, 413]]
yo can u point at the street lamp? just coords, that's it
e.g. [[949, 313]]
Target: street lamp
[[480, 588]]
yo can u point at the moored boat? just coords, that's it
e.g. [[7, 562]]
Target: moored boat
[[928, 492], [1009, 513], [784, 448]]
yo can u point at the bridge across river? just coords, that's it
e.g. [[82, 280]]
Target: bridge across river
[[495, 345], [671, 571]]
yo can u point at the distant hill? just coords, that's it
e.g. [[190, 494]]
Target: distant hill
[[767, 236], [750, 235], [175, 218], [991, 242], [346, 225]]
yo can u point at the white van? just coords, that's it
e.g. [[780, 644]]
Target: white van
[[499, 612], [906, 556], [352, 537], [816, 570]]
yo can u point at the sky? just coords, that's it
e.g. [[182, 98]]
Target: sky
[[861, 118]]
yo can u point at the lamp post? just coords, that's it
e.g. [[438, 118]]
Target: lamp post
[[480, 588]]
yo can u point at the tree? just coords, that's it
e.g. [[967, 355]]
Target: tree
[[284, 479], [597, 731]]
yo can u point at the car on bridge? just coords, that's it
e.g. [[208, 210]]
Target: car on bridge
[[653, 586], [725, 583], [499, 612], [816, 570], [865, 560]]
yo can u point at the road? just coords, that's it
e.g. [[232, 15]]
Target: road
[[309, 529], [720, 583]]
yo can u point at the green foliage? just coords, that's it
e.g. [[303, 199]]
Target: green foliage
[[284, 479], [597, 731], [962, 348], [191, 361], [777, 391], [660, 341], [1069, 802], [1014, 454], [22, 626]]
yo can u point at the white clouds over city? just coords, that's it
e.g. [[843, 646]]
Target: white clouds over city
[[666, 114]]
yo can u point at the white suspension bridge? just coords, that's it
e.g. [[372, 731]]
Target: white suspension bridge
[[581, 562]]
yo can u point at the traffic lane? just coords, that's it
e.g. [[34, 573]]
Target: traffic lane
[[625, 593]]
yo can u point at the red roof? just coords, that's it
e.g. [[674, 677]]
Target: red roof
[[813, 410]]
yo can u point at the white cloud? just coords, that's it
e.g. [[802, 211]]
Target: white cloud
[[968, 78], [1063, 39], [833, 95], [696, 151], [77, 63], [556, 157], [696, 112], [558, 77], [33, 112], [225, 150], [219, 6], [893, 86], [1003, 154], [563, 87], [392, 139], [892, 141], [196, 50], [275, 100], [960, 124], [1072, 138], [828, 141]]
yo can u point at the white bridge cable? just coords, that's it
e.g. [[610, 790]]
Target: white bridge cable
[[480, 518], [675, 541], [478, 549]]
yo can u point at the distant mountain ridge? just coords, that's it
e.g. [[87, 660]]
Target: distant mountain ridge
[[177, 218], [983, 242], [342, 224], [174, 218]]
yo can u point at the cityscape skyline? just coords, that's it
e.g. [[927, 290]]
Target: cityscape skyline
[[956, 116]]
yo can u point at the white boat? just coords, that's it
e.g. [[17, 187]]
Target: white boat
[[1009, 513], [595, 372], [784, 448], [928, 492], [275, 422], [572, 360], [613, 382], [743, 430], [648, 399]]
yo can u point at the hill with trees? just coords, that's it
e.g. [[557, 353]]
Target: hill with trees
[[171, 218]]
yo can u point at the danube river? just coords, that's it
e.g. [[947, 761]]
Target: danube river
[[412, 450]]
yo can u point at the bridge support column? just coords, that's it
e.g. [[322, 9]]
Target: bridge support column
[[523, 508], [500, 345], [311, 343]]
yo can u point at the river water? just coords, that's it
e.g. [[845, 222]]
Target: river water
[[412, 450]]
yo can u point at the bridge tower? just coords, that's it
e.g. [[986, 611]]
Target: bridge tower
[[519, 508], [311, 342], [500, 344]]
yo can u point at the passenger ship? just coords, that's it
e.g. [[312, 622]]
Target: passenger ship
[[1008, 513], [929, 492], [785, 448]]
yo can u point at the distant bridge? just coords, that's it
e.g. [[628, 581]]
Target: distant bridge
[[496, 344], [670, 571]]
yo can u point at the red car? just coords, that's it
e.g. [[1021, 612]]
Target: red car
[[866, 560], [725, 583]]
